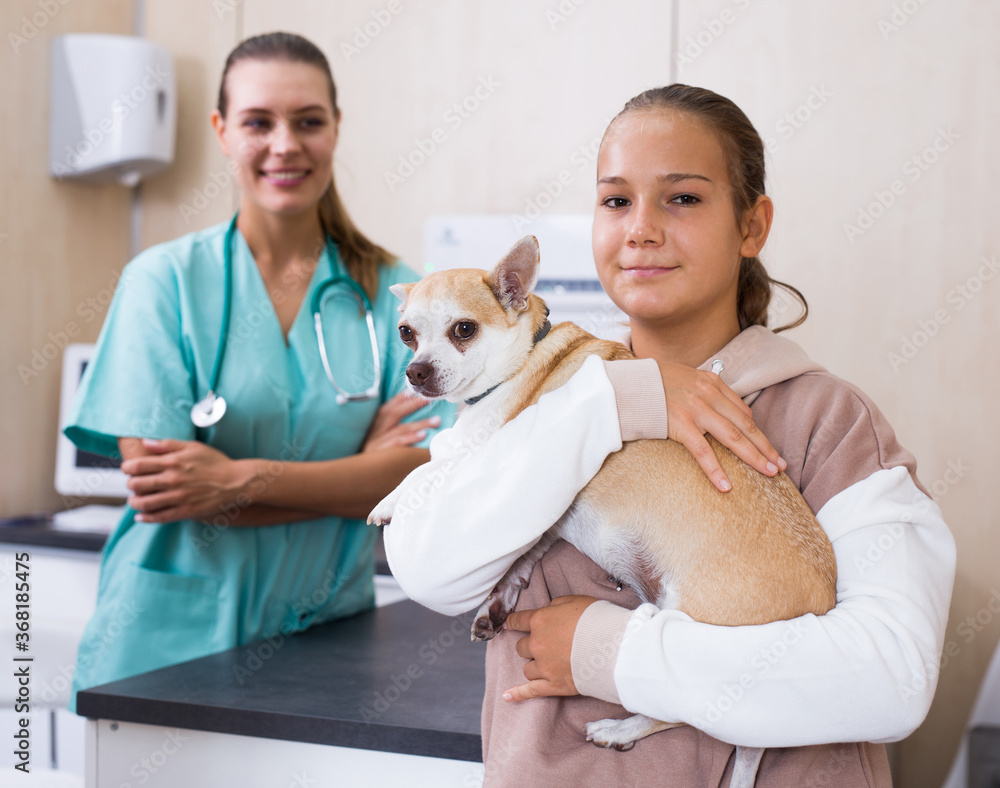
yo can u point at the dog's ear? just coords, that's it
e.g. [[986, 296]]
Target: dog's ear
[[514, 277], [401, 292]]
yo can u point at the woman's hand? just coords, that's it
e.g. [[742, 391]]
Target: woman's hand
[[698, 402], [389, 431], [547, 646], [185, 480]]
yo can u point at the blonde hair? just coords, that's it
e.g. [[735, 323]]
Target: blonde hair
[[744, 152], [361, 256]]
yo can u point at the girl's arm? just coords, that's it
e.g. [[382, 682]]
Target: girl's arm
[[865, 671], [485, 500], [461, 522]]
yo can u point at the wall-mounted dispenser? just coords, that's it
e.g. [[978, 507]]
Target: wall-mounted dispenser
[[113, 108]]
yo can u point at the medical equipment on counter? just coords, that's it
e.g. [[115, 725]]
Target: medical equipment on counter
[[212, 407]]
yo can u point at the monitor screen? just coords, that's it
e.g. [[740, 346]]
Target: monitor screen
[[79, 473]]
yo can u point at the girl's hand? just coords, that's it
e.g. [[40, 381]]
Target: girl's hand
[[698, 402], [185, 480], [389, 431], [547, 647]]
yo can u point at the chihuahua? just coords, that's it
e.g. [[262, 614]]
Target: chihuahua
[[750, 556]]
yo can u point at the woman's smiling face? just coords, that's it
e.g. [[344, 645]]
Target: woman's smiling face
[[280, 131], [666, 241]]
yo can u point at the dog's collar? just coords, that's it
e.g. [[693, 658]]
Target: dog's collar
[[539, 336], [543, 330], [475, 399]]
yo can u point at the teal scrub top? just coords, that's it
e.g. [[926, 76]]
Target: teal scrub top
[[177, 591]]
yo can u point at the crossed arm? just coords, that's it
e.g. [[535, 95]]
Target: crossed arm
[[175, 480]]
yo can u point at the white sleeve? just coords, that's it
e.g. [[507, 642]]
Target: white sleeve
[[465, 517], [865, 671]]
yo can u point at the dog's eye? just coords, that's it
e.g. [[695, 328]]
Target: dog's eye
[[464, 329], [406, 333]]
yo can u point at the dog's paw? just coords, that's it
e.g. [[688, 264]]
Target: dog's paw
[[482, 628], [382, 513], [623, 734], [612, 734], [489, 619]]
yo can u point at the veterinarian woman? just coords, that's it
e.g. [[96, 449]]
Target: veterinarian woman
[[680, 218], [244, 520]]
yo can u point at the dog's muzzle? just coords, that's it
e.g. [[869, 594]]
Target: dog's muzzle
[[420, 374]]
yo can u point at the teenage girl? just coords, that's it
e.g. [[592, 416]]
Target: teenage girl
[[681, 216]]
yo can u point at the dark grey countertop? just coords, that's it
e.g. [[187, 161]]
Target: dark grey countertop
[[36, 530], [398, 679]]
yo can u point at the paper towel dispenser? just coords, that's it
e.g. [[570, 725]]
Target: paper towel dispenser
[[113, 108]]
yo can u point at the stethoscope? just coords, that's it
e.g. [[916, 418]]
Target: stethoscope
[[212, 407]]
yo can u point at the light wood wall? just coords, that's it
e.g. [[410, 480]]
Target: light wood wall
[[62, 245], [863, 100], [869, 105]]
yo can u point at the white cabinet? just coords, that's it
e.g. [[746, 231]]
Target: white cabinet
[[129, 753], [62, 590]]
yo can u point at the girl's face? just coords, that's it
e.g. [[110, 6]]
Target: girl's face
[[280, 131], [666, 241]]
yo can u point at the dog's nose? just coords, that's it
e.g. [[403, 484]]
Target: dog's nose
[[418, 372]]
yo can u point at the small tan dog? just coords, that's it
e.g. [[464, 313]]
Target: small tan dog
[[650, 517]]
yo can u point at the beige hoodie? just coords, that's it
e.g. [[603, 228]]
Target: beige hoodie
[[866, 671]]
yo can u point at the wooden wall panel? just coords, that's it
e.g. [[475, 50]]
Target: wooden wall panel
[[881, 123], [62, 245], [197, 191]]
